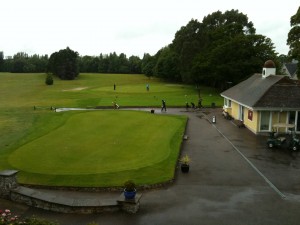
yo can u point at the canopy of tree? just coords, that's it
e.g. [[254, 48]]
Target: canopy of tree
[[294, 39], [222, 48], [111, 63], [64, 64]]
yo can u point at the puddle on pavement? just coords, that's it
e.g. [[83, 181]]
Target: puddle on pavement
[[279, 160]]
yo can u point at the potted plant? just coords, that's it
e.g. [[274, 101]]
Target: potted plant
[[185, 163], [129, 189]]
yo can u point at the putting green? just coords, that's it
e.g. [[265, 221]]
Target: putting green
[[98, 142]]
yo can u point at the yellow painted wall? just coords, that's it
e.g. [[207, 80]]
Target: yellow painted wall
[[235, 110], [251, 124], [283, 117], [229, 110], [256, 119], [275, 117]]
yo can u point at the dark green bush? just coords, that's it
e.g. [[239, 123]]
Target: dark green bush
[[38, 221], [49, 79]]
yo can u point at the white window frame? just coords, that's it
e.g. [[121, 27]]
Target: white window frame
[[297, 117], [241, 113], [227, 103]]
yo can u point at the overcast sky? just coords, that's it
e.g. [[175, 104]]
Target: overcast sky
[[133, 27]]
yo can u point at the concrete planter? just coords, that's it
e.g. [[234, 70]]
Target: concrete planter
[[185, 168], [129, 194]]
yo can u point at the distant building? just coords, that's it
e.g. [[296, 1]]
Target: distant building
[[264, 100], [290, 69]]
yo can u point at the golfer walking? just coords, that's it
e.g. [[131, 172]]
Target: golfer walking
[[163, 107]]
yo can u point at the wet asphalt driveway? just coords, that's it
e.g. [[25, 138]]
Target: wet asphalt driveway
[[234, 179]]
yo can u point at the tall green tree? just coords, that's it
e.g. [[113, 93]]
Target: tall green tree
[[238, 58], [38, 63], [148, 64], [294, 38], [228, 49], [222, 48], [64, 64], [103, 63], [188, 42], [135, 63], [123, 64], [166, 65], [114, 65], [88, 64], [1, 60]]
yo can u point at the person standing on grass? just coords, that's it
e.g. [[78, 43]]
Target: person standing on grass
[[163, 107], [147, 87], [193, 105], [115, 105], [200, 103], [187, 106], [114, 87]]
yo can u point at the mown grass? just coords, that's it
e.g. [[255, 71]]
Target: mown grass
[[92, 90], [128, 144], [29, 138]]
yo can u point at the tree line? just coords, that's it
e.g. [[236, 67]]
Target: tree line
[[23, 63], [223, 48], [104, 63]]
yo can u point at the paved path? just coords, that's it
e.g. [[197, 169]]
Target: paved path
[[221, 188]]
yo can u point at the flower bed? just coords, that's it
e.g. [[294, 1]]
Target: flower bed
[[7, 218]]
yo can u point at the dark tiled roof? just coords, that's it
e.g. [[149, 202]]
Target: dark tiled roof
[[251, 90], [283, 94]]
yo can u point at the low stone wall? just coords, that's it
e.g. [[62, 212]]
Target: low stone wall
[[129, 206], [65, 205], [10, 189], [8, 181]]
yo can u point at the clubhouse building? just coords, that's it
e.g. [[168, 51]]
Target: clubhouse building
[[265, 101]]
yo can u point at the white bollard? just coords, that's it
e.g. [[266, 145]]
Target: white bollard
[[214, 119]]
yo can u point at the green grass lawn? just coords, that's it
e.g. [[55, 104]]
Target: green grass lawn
[[59, 149], [90, 90], [104, 148]]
